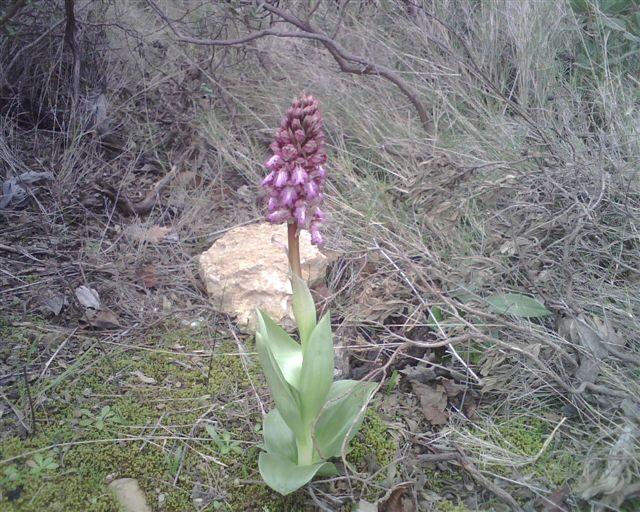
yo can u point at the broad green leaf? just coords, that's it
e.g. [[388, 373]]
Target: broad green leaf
[[517, 305], [279, 439], [317, 369], [304, 308], [285, 396], [287, 352], [284, 476], [342, 415]]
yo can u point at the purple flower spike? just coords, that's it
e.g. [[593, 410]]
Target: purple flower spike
[[296, 181]]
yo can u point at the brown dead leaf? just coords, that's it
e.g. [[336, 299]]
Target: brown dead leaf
[[470, 405], [153, 235], [451, 388], [103, 319], [399, 500], [433, 401], [555, 501], [146, 274]]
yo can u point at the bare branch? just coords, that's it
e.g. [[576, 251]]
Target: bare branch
[[347, 62], [71, 38]]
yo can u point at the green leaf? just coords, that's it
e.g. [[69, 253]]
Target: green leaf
[[213, 433], [285, 396], [327, 470], [517, 305], [279, 439], [317, 369], [342, 415], [287, 352], [304, 308], [284, 476]]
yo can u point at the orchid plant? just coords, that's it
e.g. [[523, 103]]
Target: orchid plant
[[315, 417]]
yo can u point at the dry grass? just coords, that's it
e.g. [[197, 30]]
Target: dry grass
[[529, 185]]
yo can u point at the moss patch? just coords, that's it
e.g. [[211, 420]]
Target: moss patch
[[372, 441], [90, 430]]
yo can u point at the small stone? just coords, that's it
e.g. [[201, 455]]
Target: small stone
[[161, 498], [248, 268], [129, 495]]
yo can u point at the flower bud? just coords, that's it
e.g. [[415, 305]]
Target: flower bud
[[281, 178], [299, 175], [288, 196]]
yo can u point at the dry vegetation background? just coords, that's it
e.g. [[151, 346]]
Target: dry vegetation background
[[476, 148]]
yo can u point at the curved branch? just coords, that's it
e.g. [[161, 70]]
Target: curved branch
[[347, 62]]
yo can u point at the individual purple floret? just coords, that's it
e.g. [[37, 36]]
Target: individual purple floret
[[295, 182]]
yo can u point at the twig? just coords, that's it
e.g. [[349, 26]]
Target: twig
[[126, 205], [71, 38], [348, 62], [48, 363], [468, 466], [28, 388], [16, 411]]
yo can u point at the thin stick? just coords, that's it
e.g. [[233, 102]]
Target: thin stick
[[294, 249], [16, 411], [33, 413]]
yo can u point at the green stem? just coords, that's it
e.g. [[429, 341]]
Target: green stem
[[305, 450]]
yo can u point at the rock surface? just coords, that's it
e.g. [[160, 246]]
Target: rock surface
[[129, 495], [247, 268]]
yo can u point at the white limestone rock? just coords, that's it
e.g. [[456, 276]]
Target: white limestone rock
[[247, 268]]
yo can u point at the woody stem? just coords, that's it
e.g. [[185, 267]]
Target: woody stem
[[294, 249]]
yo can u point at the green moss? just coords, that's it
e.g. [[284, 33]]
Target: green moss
[[556, 468], [185, 388], [526, 436], [373, 439], [523, 435], [449, 506]]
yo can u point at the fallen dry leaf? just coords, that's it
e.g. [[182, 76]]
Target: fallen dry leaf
[[103, 319], [146, 274], [555, 501], [88, 297], [433, 401], [451, 388], [143, 378], [153, 235], [399, 501], [54, 302]]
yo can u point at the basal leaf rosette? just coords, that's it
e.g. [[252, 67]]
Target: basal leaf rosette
[[314, 416]]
